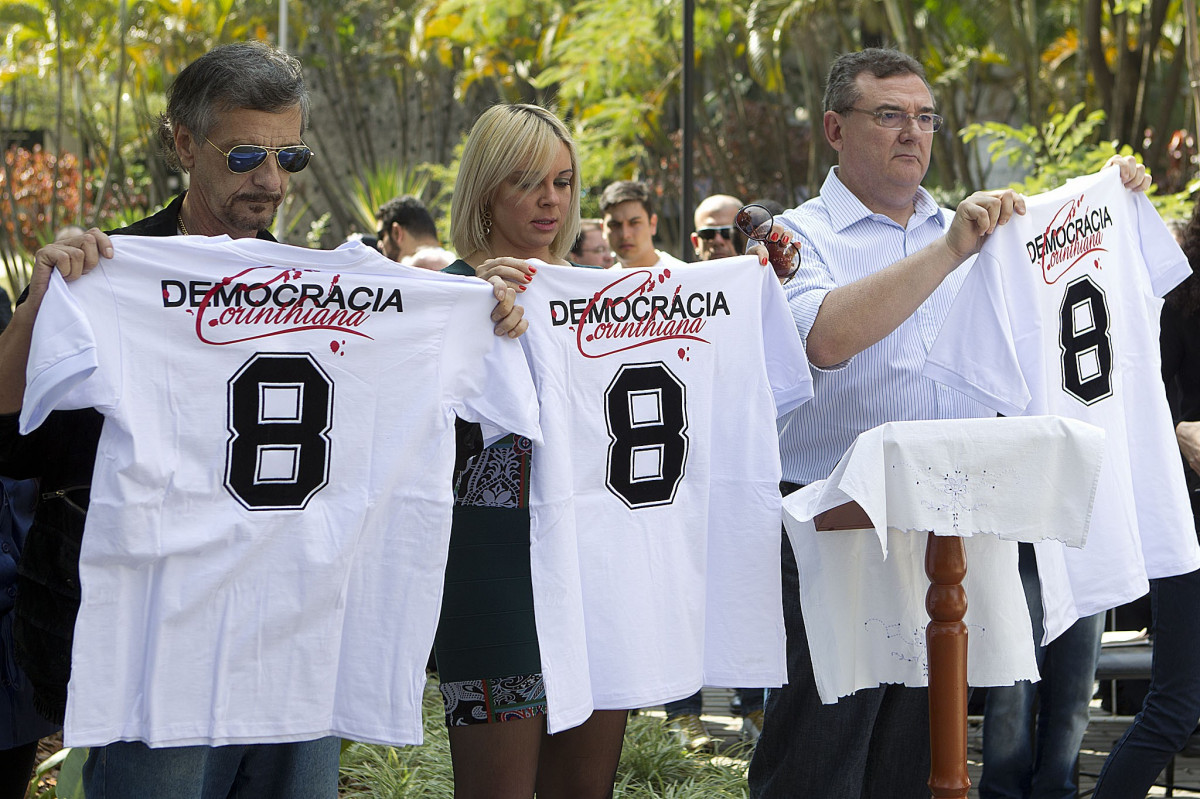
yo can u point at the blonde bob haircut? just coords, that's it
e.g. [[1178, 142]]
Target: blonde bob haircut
[[504, 138]]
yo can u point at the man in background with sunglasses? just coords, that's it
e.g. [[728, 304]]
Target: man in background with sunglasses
[[713, 236]]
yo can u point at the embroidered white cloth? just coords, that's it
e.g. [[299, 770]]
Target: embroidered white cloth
[[863, 595]]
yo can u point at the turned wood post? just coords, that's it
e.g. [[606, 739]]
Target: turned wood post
[[946, 642]]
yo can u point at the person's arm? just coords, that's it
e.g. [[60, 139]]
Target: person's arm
[[1188, 436], [857, 315], [72, 257], [507, 276], [508, 316]]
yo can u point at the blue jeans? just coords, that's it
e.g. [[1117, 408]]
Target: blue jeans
[[749, 700], [1172, 707], [873, 744], [1026, 757], [306, 770]]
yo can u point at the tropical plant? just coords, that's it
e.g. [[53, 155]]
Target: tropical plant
[[653, 765], [34, 186], [381, 184], [1063, 148], [59, 776]]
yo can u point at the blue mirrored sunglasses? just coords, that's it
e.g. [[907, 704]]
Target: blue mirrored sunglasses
[[243, 158]]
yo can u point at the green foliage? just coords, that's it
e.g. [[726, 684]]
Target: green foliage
[[653, 765], [618, 105], [402, 79], [68, 784], [1179, 205], [382, 183], [1063, 149], [316, 231]]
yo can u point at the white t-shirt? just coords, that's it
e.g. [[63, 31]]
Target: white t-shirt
[[429, 257], [665, 261], [265, 548], [1060, 316], [655, 501]]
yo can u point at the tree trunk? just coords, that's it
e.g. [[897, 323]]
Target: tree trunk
[[1192, 34], [1092, 12], [114, 150], [1162, 122], [58, 117]]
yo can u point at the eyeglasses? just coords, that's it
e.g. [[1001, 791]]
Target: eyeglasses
[[243, 158], [756, 222], [599, 249], [710, 233], [898, 120]]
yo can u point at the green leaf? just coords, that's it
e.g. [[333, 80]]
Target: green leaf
[[70, 775]]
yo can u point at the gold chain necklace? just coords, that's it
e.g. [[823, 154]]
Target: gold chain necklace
[[182, 227]]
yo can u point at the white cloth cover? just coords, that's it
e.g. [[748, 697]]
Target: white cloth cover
[[266, 543], [991, 481]]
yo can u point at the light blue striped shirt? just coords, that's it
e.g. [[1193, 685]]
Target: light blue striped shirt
[[841, 242]]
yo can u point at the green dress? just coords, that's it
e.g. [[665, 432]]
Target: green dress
[[487, 628]]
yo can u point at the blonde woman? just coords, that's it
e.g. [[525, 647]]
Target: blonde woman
[[516, 197]]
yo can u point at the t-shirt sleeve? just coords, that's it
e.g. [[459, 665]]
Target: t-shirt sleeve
[[808, 287], [487, 376], [1165, 261], [787, 364], [974, 351], [64, 356]]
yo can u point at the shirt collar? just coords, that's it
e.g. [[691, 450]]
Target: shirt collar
[[845, 209]]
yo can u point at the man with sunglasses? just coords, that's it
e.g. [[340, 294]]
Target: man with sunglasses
[[234, 121], [880, 268], [713, 235]]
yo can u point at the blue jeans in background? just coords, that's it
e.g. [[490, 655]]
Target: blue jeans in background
[[1032, 731], [749, 699], [1172, 707], [871, 745], [305, 770]]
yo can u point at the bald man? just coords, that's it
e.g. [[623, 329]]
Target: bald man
[[713, 235]]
